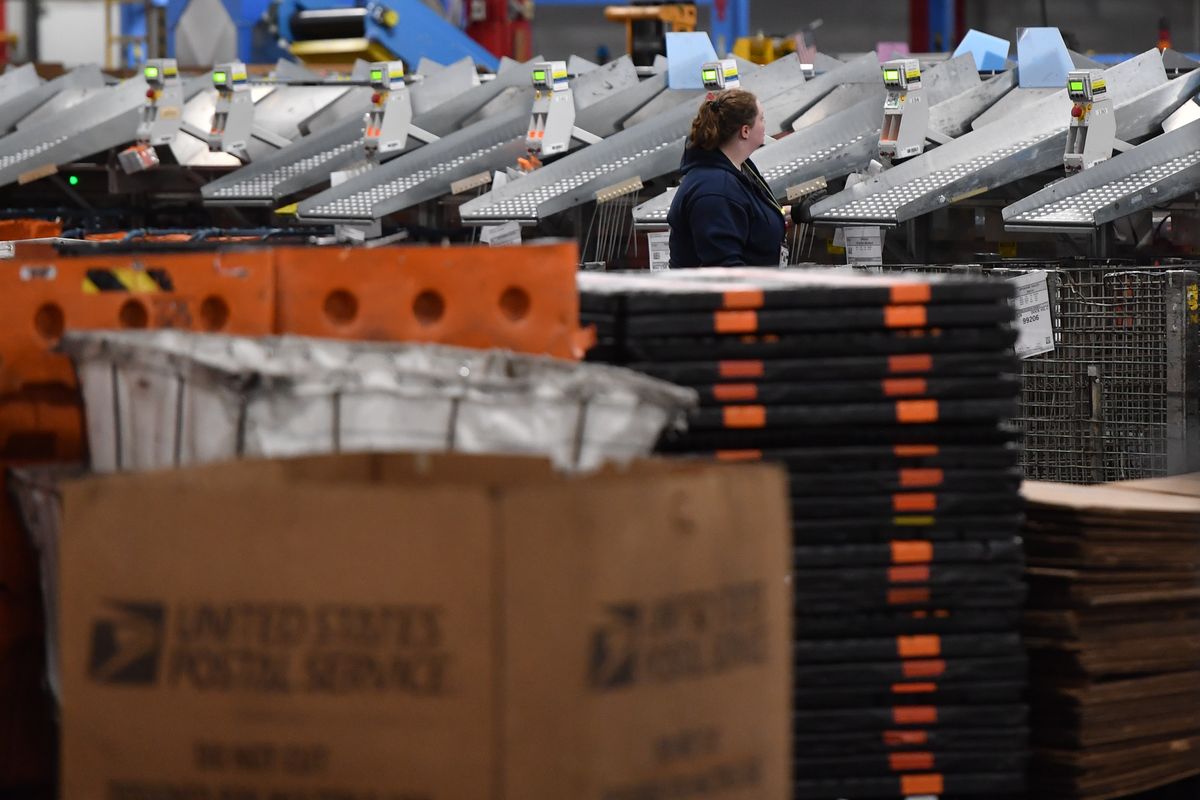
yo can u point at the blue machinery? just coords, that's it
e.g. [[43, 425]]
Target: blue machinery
[[321, 30], [328, 30], [338, 30]]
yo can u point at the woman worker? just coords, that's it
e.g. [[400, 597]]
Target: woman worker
[[723, 214]]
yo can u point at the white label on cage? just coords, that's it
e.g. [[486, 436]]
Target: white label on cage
[[864, 246], [1035, 328], [507, 233], [660, 250], [7, 250]]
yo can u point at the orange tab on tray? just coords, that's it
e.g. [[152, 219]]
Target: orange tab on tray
[[897, 738], [743, 299], [740, 369], [735, 392], [921, 478], [916, 362], [915, 412], [908, 596], [910, 762], [905, 551], [911, 293], [735, 321], [915, 573], [914, 501], [914, 688], [739, 455], [923, 668], [905, 316], [904, 387], [931, 784], [915, 450], [914, 715], [745, 416], [919, 646]]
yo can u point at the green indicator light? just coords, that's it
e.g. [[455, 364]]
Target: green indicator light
[[73, 180], [219, 77], [376, 74], [151, 72], [1076, 86], [891, 74], [710, 75], [539, 75]]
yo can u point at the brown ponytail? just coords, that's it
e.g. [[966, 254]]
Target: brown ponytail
[[721, 116]]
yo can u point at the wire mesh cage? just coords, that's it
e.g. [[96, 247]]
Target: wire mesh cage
[[1119, 396]]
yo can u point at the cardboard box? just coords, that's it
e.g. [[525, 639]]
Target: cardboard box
[[427, 628]]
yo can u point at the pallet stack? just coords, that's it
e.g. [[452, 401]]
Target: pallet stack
[[1114, 634], [886, 398]]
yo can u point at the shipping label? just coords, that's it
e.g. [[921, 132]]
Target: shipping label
[[660, 250], [1035, 326]]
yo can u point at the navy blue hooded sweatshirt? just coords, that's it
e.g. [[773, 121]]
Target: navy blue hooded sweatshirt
[[723, 217]]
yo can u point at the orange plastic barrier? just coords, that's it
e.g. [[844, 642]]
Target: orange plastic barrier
[[17, 229], [517, 298], [42, 297], [229, 292]]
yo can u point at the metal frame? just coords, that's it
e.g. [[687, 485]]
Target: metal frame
[[1149, 175], [643, 152], [996, 155], [309, 161], [601, 97]]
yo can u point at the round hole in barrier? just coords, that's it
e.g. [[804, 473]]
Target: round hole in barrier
[[515, 303], [49, 322], [428, 307], [341, 307], [133, 314], [214, 313]]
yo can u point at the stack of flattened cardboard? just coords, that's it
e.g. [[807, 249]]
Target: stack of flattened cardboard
[[886, 398], [1114, 633]]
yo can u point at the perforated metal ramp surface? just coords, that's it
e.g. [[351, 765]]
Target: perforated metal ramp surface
[[995, 155], [490, 144], [1150, 174], [106, 120], [653, 212], [602, 97], [309, 160], [644, 151], [844, 142], [261, 182]]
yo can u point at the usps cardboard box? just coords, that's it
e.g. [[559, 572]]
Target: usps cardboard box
[[426, 628]]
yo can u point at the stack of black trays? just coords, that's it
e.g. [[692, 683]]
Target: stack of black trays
[[887, 398]]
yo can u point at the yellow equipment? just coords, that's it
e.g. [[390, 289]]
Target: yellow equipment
[[645, 26]]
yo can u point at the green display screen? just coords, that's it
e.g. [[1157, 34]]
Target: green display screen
[[151, 72], [539, 75], [891, 74], [219, 77], [709, 74], [1076, 86], [376, 74]]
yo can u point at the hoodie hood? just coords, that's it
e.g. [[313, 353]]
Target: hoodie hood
[[694, 157]]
